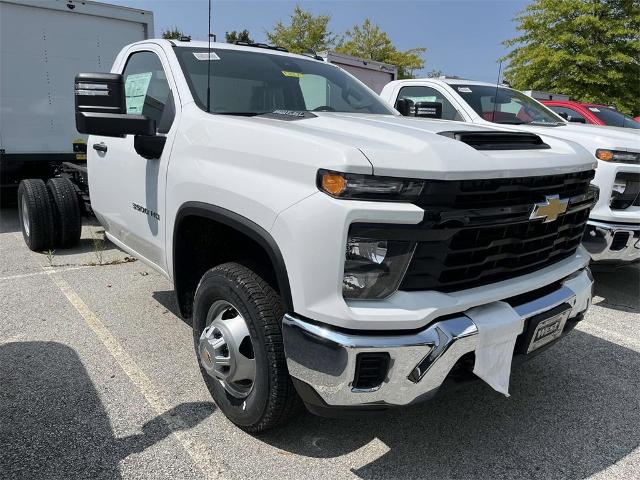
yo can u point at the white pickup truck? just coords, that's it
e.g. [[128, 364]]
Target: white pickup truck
[[327, 250], [613, 232]]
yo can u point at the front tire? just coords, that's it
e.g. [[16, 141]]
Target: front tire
[[238, 341]]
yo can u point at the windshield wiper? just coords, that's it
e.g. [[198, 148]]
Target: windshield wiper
[[545, 124], [242, 114]]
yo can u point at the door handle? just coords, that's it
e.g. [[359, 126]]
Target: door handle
[[100, 147]]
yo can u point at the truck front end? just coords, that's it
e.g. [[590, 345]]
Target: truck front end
[[613, 231], [467, 262]]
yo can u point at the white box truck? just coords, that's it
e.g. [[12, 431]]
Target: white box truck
[[43, 44], [374, 75]]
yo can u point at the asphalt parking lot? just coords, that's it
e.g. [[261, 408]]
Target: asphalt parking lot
[[98, 379]]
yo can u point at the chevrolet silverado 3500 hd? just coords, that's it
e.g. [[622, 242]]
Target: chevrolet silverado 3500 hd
[[327, 250]]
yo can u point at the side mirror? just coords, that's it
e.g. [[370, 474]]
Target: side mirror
[[101, 108], [576, 119], [403, 106], [428, 109]]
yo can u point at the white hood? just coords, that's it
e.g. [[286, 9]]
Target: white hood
[[591, 137], [410, 147]]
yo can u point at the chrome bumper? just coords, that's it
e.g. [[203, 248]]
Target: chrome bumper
[[325, 359], [612, 242]]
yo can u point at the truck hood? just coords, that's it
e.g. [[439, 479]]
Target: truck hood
[[411, 147], [591, 137]]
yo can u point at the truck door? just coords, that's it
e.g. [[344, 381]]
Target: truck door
[[128, 190]]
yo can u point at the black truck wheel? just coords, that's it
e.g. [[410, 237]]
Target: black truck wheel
[[66, 212], [238, 341], [36, 215]]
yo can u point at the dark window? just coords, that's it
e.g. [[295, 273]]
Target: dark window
[[569, 112], [250, 83], [613, 117], [427, 94], [506, 106], [146, 88]]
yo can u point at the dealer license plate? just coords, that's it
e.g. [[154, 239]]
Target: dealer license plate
[[547, 329]]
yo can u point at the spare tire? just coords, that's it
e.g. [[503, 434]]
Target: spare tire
[[66, 212], [36, 215]]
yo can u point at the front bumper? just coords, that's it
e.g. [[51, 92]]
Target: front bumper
[[325, 359], [612, 242]]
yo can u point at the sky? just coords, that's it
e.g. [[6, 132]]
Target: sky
[[462, 37]]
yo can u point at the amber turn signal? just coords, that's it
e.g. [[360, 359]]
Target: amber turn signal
[[333, 184], [604, 155]]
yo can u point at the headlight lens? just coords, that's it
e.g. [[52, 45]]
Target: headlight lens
[[369, 187], [373, 268], [617, 156]]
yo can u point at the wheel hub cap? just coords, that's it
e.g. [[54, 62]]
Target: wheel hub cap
[[25, 216], [226, 350]]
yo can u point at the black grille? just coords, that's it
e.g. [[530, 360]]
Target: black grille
[[478, 232], [371, 369]]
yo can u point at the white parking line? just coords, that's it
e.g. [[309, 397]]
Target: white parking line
[[198, 453], [46, 271]]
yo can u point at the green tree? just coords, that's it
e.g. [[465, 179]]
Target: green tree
[[588, 49], [368, 41], [233, 37], [306, 32], [172, 34]]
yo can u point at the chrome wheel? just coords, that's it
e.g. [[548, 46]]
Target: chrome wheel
[[25, 216], [226, 351]]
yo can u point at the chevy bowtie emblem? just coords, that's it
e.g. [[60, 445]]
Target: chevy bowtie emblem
[[550, 209]]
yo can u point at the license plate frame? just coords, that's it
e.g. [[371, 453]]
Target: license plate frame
[[546, 327]]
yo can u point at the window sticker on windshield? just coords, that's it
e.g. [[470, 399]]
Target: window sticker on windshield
[[135, 91], [292, 74], [464, 89], [206, 56], [594, 109]]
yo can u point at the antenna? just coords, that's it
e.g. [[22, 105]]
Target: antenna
[[495, 97], [209, 63]]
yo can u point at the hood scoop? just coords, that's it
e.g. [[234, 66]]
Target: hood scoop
[[492, 140]]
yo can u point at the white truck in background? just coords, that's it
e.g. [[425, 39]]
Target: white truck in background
[[613, 231], [43, 44]]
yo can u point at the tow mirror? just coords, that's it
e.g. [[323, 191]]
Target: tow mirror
[[403, 106], [428, 109], [101, 107]]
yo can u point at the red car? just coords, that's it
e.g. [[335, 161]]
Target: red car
[[591, 113]]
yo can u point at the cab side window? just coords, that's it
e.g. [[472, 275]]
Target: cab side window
[[147, 91], [427, 94]]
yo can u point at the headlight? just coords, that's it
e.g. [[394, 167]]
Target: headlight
[[373, 268], [369, 187], [617, 156]]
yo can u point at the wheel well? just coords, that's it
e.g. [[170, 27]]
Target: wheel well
[[202, 242]]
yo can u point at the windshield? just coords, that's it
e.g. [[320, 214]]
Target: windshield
[[252, 83], [613, 117], [507, 107]]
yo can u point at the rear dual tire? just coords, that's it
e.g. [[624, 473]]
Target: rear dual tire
[[49, 214]]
